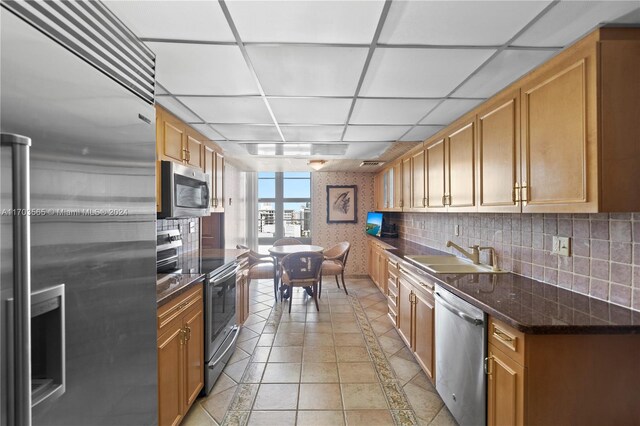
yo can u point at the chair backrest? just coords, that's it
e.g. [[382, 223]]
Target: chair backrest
[[340, 251], [303, 266], [241, 247], [287, 242], [255, 257]]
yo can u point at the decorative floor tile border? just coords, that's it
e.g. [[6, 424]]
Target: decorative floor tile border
[[401, 410]]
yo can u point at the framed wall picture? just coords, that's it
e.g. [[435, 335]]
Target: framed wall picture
[[342, 204]]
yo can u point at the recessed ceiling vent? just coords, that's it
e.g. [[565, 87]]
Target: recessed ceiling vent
[[371, 163]]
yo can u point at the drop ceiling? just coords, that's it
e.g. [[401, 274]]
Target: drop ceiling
[[276, 83]]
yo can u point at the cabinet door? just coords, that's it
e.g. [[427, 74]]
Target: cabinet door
[[397, 187], [170, 376], [435, 156], [499, 155], [417, 181], [219, 190], [405, 311], [460, 164], [406, 184], [424, 333], [210, 168], [556, 141], [390, 179], [193, 355], [194, 152], [505, 390], [173, 136]]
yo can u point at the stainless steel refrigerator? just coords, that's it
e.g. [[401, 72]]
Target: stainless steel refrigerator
[[78, 307]]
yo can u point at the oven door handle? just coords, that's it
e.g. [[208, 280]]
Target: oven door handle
[[222, 278], [235, 330]]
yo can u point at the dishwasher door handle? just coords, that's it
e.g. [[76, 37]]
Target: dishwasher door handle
[[454, 310]]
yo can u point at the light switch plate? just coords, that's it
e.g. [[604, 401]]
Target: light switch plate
[[561, 246], [456, 230]]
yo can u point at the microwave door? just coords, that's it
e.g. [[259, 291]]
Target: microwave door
[[191, 196]]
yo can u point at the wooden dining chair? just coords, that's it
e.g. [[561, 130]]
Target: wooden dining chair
[[287, 242], [335, 260], [261, 267], [302, 270]]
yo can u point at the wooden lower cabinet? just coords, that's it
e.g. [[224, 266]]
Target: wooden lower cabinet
[[180, 355], [505, 389], [423, 346], [561, 379], [242, 291], [416, 317], [377, 265], [170, 376]]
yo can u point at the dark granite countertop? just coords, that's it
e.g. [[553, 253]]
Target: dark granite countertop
[[528, 305], [170, 286]]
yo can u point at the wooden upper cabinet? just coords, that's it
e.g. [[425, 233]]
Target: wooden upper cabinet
[[460, 162], [194, 154], [418, 180], [559, 156], [406, 184], [499, 154], [397, 187], [172, 138], [219, 186], [435, 166]]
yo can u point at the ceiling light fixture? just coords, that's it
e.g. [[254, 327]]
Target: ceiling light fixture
[[316, 164]]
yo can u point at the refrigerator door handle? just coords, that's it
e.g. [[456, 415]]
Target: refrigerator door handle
[[21, 205]]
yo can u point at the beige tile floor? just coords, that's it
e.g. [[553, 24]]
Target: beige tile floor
[[344, 365]]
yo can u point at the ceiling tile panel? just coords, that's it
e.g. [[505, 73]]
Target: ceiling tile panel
[[450, 110], [229, 110], [478, 23], [180, 20], [308, 71], [420, 133], [569, 20], [306, 21], [374, 133], [310, 110], [420, 72], [391, 111], [197, 69], [177, 109], [312, 133], [207, 131], [248, 133], [504, 69]]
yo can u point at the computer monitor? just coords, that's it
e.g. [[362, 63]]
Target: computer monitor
[[374, 224]]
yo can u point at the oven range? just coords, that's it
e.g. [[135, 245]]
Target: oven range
[[220, 324]]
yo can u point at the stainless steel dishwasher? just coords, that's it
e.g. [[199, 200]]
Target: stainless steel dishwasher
[[460, 353]]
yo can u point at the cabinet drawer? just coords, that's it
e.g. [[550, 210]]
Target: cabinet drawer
[[392, 284], [172, 312], [507, 339], [393, 316], [392, 298], [392, 266]]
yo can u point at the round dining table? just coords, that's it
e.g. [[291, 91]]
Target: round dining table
[[279, 252]]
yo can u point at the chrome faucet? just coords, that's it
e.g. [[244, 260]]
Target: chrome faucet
[[474, 256]]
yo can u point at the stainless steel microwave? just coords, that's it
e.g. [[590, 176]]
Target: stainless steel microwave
[[185, 191]]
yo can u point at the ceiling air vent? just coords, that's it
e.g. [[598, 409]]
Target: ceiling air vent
[[371, 163]]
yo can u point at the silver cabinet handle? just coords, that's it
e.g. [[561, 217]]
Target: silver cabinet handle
[[451, 308], [21, 188]]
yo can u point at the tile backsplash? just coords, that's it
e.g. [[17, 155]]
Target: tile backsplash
[[190, 240], [605, 248]]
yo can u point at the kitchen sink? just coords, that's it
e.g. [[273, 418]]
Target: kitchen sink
[[435, 260], [446, 264]]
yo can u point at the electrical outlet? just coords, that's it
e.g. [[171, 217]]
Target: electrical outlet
[[561, 246], [456, 230], [192, 227]]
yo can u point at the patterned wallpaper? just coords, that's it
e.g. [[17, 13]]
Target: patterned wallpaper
[[605, 259], [325, 234]]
